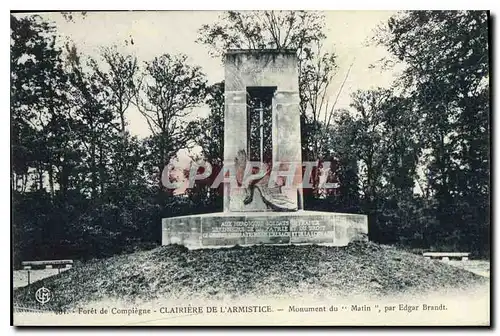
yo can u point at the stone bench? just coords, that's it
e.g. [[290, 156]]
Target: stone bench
[[445, 256], [44, 264]]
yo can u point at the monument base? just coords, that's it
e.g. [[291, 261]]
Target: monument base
[[253, 228]]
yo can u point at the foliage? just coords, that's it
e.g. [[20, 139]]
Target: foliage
[[429, 133], [83, 187], [418, 153]]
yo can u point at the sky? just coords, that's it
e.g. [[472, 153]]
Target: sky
[[158, 32]]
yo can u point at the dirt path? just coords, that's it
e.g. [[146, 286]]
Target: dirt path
[[481, 267]]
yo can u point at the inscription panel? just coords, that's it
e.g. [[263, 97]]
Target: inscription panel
[[262, 230], [217, 231]]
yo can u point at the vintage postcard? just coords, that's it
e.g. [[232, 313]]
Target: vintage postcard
[[236, 168]]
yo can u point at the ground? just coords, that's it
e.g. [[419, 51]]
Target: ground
[[360, 269]]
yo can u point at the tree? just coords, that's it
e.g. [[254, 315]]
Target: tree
[[210, 137], [300, 30], [44, 150], [371, 144], [263, 30], [317, 109], [75, 165], [446, 76], [119, 80], [169, 89], [388, 145], [38, 98], [340, 152], [92, 103]]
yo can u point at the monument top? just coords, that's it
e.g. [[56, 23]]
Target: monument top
[[261, 68]]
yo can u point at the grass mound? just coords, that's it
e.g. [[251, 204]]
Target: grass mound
[[362, 268]]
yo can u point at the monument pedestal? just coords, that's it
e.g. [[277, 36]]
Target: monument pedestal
[[230, 229]]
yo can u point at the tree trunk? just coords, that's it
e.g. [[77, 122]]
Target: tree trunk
[[40, 176], [51, 179], [102, 170], [93, 172]]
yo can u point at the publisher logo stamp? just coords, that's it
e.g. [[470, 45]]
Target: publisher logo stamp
[[43, 295]]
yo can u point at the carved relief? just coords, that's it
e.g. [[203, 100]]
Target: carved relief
[[272, 196]]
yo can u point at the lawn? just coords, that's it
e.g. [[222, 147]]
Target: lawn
[[174, 272]]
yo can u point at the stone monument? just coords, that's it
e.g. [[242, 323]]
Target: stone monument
[[262, 152]]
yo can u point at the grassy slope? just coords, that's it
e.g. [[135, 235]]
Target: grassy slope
[[362, 268]]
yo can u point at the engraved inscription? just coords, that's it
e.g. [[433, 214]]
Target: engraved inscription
[[312, 230], [260, 231], [261, 69], [241, 229]]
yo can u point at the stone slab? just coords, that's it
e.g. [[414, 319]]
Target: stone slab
[[301, 227]]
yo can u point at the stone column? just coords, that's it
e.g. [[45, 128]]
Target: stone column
[[235, 133], [286, 139]]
